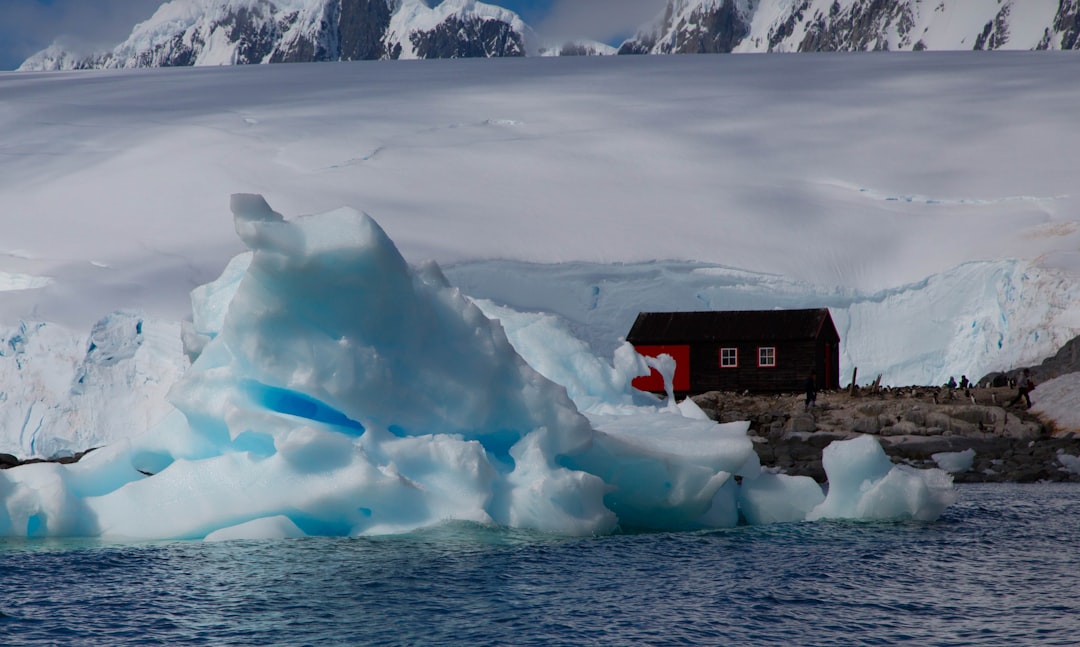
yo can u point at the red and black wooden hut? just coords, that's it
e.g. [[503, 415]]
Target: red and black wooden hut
[[740, 350]]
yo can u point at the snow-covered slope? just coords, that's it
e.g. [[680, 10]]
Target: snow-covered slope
[[928, 199], [234, 32], [698, 26]]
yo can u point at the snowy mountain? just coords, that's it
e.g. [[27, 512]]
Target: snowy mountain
[[213, 32], [230, 32], [716, 26]]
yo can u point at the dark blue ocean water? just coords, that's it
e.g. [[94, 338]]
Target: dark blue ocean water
[[999, 568]]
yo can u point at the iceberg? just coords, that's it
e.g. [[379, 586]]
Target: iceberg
[[336, 390], [955, 462]]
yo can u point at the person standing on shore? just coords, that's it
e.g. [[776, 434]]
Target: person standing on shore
[[1025, 385], [811, 391]]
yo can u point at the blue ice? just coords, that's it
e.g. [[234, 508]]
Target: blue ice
[[337, 390]]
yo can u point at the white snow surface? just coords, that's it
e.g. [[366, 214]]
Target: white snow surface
[[926, 199], [1059, 400]]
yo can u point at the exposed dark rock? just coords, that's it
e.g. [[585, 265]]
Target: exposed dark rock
[[638, 46], [996, 32], [578, 49], [255, 36], [362, 26], [912, 424], [1066, 360], [858, 28], [1067, 21], [720, 31], [8, 461], [475, 38], [787, 28], [856, 25], [713, 30]]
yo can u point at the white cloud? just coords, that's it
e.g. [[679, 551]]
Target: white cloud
[[79, 26], [603, 20]]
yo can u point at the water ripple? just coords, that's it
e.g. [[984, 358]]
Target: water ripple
[[997, 569]]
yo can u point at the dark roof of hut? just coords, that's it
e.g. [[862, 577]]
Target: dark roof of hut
[[729, 325]]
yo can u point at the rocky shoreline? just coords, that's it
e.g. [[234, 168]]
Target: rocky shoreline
[[1010, 444]]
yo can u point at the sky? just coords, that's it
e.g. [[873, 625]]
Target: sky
[[27, 26]]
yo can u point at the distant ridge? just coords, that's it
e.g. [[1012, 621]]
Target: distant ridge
[[722, 26], [238, 32]]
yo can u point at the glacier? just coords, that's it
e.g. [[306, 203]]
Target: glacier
[[66, 392], [337, 390], [974, 319]]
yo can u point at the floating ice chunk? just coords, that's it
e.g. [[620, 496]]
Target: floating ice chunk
[[275, 527], [852, 466], [955, 462], [40, 502], [665, 469], [778, 498], [1070, 462], [864, 484]]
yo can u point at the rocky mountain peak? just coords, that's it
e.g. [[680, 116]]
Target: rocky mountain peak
[[230, 32], [710, 26]]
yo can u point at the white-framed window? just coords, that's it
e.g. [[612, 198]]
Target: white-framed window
[[766, 356], [729, 357]]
